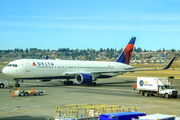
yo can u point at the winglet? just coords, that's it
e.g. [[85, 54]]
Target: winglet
[[125, 56], [169, 63], [46, 57]]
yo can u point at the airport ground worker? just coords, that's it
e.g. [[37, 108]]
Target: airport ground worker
[[134, 86]]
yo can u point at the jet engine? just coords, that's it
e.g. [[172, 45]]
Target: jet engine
[[84, 78], [43, 80]]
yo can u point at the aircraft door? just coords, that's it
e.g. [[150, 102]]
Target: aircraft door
[[16, 71], [27, 67], [161, 89]]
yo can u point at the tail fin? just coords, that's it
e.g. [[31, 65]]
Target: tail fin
[[125, 56]]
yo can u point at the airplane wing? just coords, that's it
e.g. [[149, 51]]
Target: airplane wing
[[126, 70]]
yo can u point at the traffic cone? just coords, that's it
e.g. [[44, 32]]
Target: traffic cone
[[32, 90], [12, 94]]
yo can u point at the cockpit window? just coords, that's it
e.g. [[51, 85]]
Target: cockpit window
[[14, 65]]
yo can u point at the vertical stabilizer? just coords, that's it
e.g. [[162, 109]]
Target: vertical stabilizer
[[125, 56]]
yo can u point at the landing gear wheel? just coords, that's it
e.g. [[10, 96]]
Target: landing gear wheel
[[1, 85], [94, 83], [166, 96], [17, 85], [91, 84], [68, 82], [65, 82]]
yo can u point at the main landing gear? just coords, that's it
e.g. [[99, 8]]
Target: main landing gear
[[91, 84], [17, 83], [68, 82]]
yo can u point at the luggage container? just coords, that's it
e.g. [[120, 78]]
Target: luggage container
[[158, 117], [121, 116]]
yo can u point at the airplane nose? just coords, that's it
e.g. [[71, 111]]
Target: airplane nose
[[5, 70]]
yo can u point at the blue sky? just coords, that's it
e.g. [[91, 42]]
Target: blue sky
[[82, 24]]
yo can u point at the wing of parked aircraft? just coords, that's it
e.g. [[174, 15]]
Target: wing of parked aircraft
[[130, 69]]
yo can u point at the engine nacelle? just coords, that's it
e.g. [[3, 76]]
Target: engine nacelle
[[84, 78], [43, 80]]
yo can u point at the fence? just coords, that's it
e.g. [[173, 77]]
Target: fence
[[87, 111]]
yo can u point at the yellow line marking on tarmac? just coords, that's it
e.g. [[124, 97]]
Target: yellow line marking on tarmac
[[100, 88], [26, 110], [104, 89], [145, 102]]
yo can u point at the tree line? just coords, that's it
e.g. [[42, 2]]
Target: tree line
[[70, 54]]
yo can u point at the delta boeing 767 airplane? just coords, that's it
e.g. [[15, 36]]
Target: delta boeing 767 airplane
[[82, 71]]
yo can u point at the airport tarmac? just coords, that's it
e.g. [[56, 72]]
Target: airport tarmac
[[117, 90]]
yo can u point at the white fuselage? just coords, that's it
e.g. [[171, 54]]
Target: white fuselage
[[39, 69]]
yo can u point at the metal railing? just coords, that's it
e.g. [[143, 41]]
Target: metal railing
[[87, 111]]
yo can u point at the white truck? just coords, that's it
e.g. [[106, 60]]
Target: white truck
[[156, 86]]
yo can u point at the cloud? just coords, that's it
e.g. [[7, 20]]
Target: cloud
[[122, 26], [123, 17]]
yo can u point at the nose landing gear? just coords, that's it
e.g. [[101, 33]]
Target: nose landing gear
[[17, 83]]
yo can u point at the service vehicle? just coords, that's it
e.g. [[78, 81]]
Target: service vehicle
[[156, 86], [28, 92], [3, 83]]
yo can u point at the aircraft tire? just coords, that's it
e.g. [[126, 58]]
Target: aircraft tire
[[65, 82], [94, 83], [41, 93], [71, 82], [166, 95], [68, 82], [17, 85], [25, 94], [1, 85]]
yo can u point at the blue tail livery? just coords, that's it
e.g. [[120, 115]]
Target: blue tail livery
[[126, 54]]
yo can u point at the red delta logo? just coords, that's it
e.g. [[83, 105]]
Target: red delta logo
[[34, 64], [128, 52]]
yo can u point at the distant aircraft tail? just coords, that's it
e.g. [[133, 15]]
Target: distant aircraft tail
[[125, 56]]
